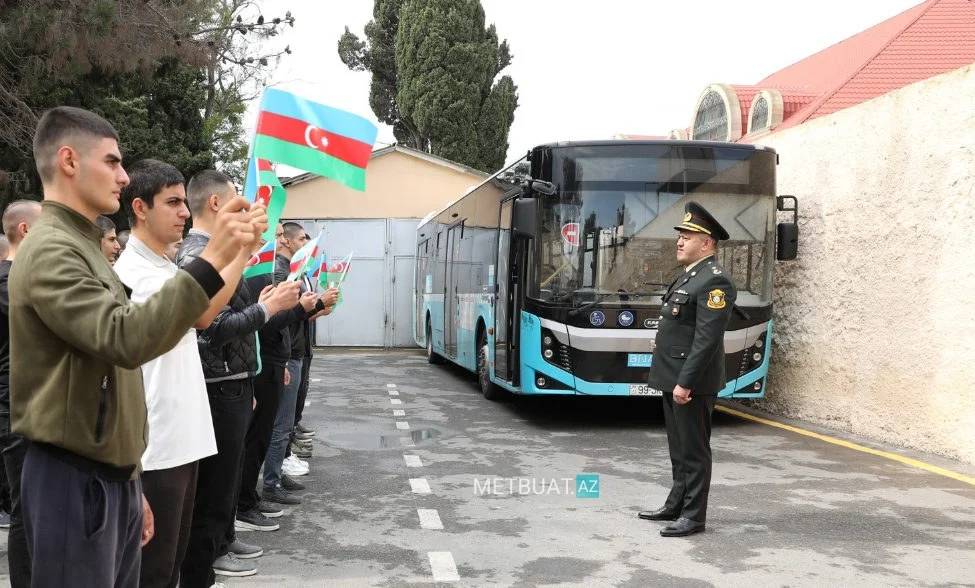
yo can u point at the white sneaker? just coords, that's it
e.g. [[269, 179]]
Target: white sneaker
[[292, 467]]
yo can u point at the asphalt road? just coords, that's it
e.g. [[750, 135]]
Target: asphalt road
[[459, 491]]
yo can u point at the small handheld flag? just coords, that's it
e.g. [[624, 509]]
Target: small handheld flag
[[262, 185], [314, 137], [261, 262], [336, 273], [304, 259]]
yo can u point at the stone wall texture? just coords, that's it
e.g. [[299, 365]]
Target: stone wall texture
[[875, 321]]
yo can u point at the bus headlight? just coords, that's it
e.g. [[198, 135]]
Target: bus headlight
[[760, 342], [547, 340], [757, 357], [548, 353], [540, 382], [757, 386]]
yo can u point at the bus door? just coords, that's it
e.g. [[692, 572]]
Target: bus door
[[507, 303], [450, 306]]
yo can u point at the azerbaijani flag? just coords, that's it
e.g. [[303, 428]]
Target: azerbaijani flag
[[336, 273], [262, 185], [320, 266], [261, 262], [304, 259], [314, 137]]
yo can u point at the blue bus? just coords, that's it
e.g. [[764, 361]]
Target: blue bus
[[547, 277]]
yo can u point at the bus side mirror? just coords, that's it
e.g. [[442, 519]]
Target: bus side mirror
[[787, 234], [542, 187], [523, 217]]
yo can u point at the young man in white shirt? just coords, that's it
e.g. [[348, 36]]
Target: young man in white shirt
[[180, 427]]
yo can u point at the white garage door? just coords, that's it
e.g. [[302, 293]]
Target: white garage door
[[378, 291]]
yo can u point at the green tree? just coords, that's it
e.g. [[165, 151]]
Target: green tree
[[435, 71], [173, 77]]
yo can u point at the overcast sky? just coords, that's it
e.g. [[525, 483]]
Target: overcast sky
[[590, 69]]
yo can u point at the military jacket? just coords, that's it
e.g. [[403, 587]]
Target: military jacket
[[689, 346]]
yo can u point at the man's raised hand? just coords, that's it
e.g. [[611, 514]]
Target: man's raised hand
[[283, 297], [233, 229]]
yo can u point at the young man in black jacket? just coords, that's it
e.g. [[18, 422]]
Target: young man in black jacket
[[228, 352], [275, 338], [17, 219]]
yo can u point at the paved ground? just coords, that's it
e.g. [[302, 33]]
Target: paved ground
[[500, 479]]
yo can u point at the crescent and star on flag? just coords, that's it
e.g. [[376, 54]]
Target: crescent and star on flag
[[315, 138]]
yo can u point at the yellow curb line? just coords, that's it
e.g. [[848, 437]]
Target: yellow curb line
[[892, 456]]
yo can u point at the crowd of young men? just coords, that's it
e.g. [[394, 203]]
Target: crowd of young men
[[138, 403]]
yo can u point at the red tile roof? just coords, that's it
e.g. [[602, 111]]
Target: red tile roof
[[932, 38]]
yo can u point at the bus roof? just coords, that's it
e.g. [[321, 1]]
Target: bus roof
[[611, 142], [721, 144]]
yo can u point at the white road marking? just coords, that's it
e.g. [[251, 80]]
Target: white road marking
[[443, 567], [307, 403], [429, 518], [413, 461], [393, 393], [399, 412], [406, 442], [390, 385], [395, 401], [403, 425], [316, 379], [420, 486]]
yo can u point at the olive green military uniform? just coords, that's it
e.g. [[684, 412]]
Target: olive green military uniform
[[689, 351]]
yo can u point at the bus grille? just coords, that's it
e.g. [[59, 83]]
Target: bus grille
[[565, 358]]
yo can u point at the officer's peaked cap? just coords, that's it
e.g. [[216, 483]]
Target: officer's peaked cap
[[699, 220]]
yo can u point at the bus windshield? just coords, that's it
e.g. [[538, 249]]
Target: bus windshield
[[609, 230]]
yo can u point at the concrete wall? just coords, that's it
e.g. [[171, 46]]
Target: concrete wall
[[398, 185], [875, 322]]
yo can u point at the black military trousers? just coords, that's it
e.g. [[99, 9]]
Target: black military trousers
[[689, 439]]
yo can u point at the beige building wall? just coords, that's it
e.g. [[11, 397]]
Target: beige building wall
[[875, 322], [398, 185]]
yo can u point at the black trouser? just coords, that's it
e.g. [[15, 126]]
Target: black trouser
[[689, 439], [82, 530], [170, 493], [217, 481], [5, 499], [268, 386], [18, 555]]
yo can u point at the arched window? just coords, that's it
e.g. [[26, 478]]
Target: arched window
[[711, 123], [759, 118]]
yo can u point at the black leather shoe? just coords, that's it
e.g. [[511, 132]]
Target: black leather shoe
[[682, 528], [661, 514]]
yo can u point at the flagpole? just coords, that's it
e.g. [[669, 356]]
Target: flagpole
[[274, 262], [345, 270]]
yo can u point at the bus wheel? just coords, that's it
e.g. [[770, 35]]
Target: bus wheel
[[432, 356], [488, 388]]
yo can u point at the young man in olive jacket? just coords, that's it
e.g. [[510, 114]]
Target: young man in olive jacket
[[76, 345], [688, 368]]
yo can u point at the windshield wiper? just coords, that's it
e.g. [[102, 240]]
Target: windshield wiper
[[604, 296]]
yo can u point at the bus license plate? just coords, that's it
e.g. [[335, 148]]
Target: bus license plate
[[639, 359], [644, 390]]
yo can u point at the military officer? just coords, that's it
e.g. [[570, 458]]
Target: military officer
[[688, 367]]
